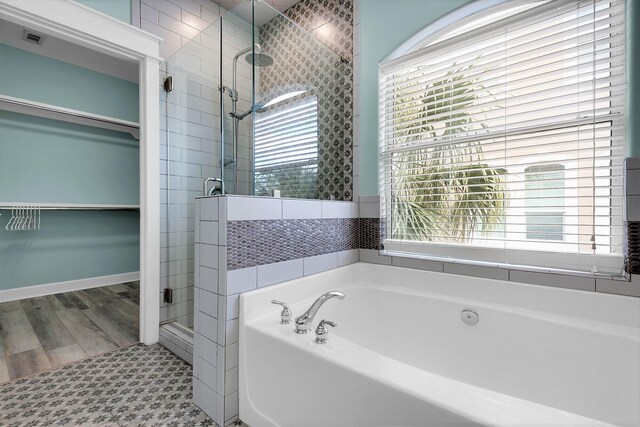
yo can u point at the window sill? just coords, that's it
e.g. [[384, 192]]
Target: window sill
[[508, 267]]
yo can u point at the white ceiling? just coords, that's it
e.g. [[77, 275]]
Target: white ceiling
[[263, 13]]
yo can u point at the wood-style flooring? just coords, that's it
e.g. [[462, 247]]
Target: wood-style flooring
[[38, 334]]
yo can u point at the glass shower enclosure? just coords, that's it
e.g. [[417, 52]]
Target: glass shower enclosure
[[257, 104]]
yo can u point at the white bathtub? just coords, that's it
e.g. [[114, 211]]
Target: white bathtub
[[401, 356]]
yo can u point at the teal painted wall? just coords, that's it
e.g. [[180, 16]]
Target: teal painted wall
[[42, 79], [119, 9], [43, 160], [70, 245], [49, 161], [385, 25]]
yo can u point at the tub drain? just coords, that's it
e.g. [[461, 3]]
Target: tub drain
[[469, 316]]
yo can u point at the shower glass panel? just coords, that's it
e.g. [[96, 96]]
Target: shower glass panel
[[191, 152], [237, 98], [262, 108]]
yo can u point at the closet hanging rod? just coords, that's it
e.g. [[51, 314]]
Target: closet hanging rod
[[24, 106], [70, 206]]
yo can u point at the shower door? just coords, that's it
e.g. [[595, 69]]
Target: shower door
[[190, 152], [197, 142]]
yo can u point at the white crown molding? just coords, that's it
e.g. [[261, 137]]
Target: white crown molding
[[79, 24], [71, 53]]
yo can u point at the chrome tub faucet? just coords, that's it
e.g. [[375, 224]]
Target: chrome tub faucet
[[303, 322]]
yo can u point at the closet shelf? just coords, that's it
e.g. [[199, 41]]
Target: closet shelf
[[70, 206], [23, 106]]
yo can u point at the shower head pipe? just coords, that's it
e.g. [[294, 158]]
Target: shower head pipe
[[264, 61]]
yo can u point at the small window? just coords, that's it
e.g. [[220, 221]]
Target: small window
[[286, 150]]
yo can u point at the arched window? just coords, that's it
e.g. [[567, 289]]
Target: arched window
[[502, 138]]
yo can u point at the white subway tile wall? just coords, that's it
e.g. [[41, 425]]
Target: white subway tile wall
[[348, 257], [320, 263], [270, 274], [301, 209], [210, 308]]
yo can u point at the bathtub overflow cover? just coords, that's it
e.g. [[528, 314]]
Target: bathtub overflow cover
[[469, 316]]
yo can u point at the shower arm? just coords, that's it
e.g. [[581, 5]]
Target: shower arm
[[234, 89], [234, 101]]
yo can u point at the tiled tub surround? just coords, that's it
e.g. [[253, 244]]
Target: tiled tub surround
[[218, 284]]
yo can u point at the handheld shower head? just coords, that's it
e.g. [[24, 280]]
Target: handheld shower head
[[256, 108], [261, 107]]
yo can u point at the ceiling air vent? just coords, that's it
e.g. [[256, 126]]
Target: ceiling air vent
[[32, 37]]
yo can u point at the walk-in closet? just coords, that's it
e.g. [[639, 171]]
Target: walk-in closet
[[69, 202]]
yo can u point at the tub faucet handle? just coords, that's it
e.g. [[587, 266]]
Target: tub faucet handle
[[285, 315], [322, 333]]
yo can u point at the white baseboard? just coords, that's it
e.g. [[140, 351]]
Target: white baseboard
[[72, 285]]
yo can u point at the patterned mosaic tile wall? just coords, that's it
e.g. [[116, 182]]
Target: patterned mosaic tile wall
[[251, 243], [633, 247], [318, 60]]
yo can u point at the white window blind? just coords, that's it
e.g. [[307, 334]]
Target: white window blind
[[286, 150], [470, 122]]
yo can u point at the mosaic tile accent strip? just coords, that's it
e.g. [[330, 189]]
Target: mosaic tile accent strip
[[633, 247], [251, 243], [370, 232], [138, 385], [310, 58]]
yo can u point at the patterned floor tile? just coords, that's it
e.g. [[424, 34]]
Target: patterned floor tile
[[134, 386]]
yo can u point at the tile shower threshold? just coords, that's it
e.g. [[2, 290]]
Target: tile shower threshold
[[179, 329], [178, 339]]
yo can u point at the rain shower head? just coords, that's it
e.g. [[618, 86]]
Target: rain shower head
[[259, 59], [255, 56]]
